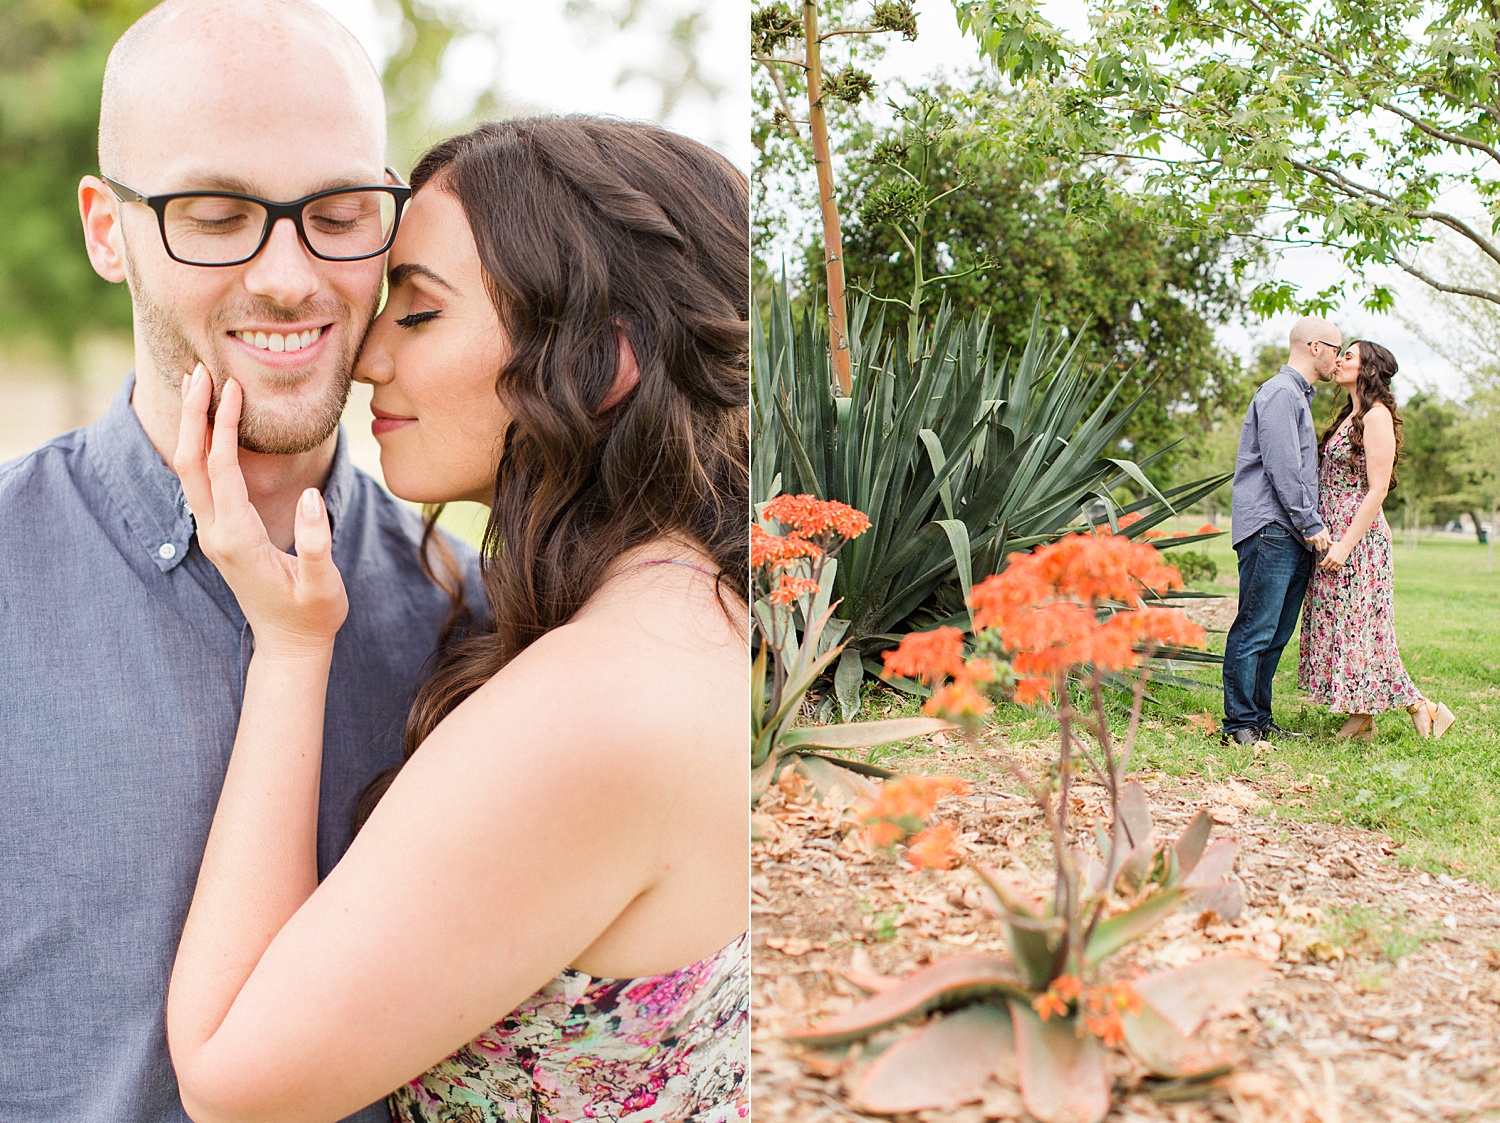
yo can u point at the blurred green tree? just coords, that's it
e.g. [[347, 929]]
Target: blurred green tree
[[52, 56]]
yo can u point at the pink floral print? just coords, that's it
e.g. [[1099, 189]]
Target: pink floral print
[[1348, 659]]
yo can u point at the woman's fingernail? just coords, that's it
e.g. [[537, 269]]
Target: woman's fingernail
[[311, 501]]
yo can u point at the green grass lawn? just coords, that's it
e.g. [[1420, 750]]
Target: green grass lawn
[[1439, 799]]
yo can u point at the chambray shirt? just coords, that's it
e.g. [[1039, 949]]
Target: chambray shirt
[[1276, 471], [122, 669]]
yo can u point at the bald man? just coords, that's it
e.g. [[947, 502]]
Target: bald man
[[1277, 528], [244, 200]]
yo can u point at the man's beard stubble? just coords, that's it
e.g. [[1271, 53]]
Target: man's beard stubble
[[260, 430]]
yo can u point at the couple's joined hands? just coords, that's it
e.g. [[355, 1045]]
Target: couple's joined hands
[[295, 604], [1333, 554]]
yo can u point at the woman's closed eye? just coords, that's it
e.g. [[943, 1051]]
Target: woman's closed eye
[[412, 319]]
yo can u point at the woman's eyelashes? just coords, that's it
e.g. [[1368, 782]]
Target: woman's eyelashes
[[412, 319]]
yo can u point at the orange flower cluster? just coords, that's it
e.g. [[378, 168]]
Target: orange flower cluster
[[1045, 607], [935, 848], [789, 589], [1207, 528], [777, 552], [1102, 1006], [1054, 1002], [935, 656], [902, 807], [810, 516]]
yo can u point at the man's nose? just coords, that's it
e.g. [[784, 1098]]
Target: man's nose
[[284, 270]]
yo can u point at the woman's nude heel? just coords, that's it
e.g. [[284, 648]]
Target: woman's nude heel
[[1365, 731], [1438, 718]]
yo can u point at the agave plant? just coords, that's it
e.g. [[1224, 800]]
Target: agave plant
[[1043, 1017], [958, 458], [794, 644]]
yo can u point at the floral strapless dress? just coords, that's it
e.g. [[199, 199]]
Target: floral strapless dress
[[1349, 661], [662, 1047]]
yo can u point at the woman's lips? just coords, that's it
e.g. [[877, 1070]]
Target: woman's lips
[[388, 422]]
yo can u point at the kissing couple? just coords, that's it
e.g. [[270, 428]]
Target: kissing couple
[[1308, 524], [224, 651]]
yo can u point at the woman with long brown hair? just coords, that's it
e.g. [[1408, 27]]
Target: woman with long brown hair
[[543, 916], [1349, 660]]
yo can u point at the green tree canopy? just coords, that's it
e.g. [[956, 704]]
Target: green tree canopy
[[1362, 125]]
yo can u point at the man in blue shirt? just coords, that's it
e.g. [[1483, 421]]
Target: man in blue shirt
[[122, 651], [1277, 528]]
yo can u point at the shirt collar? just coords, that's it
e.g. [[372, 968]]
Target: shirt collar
[[149, 493], [1301, 383]]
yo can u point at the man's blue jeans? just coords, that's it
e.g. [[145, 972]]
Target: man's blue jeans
[[1275, 564]]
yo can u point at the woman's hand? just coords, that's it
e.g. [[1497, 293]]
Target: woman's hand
[[294, 604], [1337, 554]]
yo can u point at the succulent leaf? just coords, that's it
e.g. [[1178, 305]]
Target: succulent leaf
[[1190, 842], [1224, 898], [1060, 1070], [1215, 865], [863, 734], [942, 1065], [827, 777], [1186, 995], [1162, 1047], [1026, 930], [1109, 936], [1135, 813], [952, 982]]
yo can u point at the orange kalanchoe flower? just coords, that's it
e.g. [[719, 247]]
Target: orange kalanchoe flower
[[901, 808], [810, 516], [1106, 1027], [1207, 528], [934, 848], [1054, 1001], [1154, 532], [789, 589], [928, 657], [778, 552]]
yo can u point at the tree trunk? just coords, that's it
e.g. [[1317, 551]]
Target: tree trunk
[[833, 239], [1473, 513]]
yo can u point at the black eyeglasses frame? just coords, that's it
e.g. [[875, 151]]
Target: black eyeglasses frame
[[275, 212]]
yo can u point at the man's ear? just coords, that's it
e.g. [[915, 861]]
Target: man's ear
[[627, 373], [100, 211]]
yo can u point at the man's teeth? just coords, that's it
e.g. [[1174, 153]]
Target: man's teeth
[[275, 341]]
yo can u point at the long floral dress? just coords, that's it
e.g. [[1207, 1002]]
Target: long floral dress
[[673, 1046], [1349, 660]]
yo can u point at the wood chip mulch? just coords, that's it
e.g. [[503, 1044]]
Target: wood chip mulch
[[1383, 1002]]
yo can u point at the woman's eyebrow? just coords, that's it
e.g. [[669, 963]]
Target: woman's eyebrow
[[408, 269]]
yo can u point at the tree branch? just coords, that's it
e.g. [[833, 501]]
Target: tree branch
[[1463, 229], [1460, 290], [767, 60], [1441, 134]]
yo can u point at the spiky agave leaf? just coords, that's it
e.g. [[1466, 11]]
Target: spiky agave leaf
[[1060, 1070], [1190, 843], [961, 981], [942, 1065]]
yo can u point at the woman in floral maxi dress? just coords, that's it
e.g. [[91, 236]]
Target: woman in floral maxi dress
[[1349, 661]]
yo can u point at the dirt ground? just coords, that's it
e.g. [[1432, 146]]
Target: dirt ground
[[1382, 1003]]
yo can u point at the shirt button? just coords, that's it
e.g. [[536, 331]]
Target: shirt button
[[167, 551]]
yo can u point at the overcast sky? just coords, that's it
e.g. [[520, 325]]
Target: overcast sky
[[547, 61], [941, 45]]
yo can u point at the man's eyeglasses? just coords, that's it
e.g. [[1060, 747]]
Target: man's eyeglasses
[[1325, 343], [225, 228]]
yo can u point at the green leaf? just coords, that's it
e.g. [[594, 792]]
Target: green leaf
[[863, 734], [943, 985], [1060, 1069], [847, 677], [940, 1066], [1109, 936]]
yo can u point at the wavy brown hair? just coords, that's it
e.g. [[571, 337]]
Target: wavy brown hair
[[591, 229], [1377, 366]]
